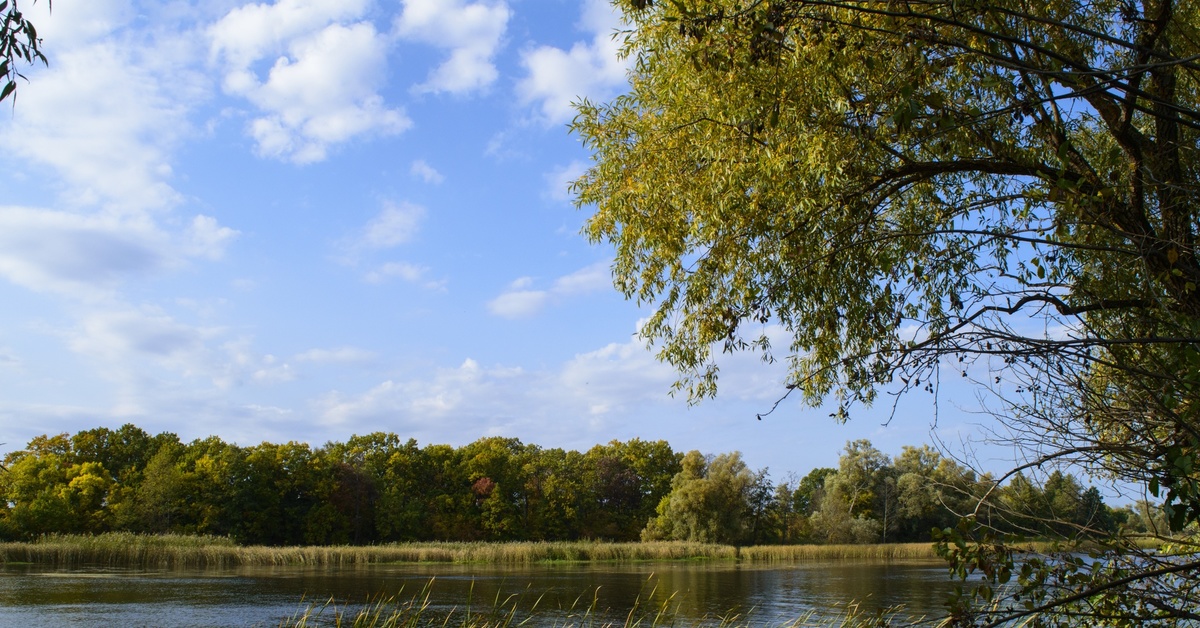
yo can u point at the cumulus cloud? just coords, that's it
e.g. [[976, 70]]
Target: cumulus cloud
[[87, 256], [102, 100], [591, 397], [76, 22], [472, 32], [555, 77], [251, 32], [616, 377], [207, 238], [449, 390], [322, 87], [521, 301], [122, 336], [425, 172]]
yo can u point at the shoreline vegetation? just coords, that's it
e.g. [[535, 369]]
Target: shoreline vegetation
[[121, 549]]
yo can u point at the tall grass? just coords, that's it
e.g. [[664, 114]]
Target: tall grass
[[796, 553], [122, 549], [400, 612]]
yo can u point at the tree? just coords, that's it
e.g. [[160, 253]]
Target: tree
[[933, 491], [156, 502], [859, 498], [908, 188], [19, 43], [709, 501]]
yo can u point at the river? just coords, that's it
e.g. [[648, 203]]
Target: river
[[694, 593]]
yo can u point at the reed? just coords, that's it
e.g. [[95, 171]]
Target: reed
[[398, 611], [122, 549], [799, 553]]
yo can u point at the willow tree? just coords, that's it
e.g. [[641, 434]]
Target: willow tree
[[910, 187], [19, 45]]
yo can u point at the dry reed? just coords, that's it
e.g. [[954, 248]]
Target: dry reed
[[127, 550], [398, 611]]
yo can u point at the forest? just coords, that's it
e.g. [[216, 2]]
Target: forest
[[377, 488]]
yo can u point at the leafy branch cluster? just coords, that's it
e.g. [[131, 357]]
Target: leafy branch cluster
[[19, 43]]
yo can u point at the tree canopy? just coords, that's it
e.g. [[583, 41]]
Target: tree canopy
[[915, 187]]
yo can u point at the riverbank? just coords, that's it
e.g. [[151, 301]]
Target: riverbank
[[139, 550]]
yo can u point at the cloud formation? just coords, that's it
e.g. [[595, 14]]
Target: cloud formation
[[100, 100], [446, 391], [395, 225], [522, 301], [88, 256], [322, 88], [339, 355], [426, 172], [410, 273], [555, 78], [472, 32]]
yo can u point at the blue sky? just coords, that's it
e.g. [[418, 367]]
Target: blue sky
[[307, 219]]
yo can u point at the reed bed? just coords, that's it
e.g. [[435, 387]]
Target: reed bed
[[122, 549], [398, 611], [800, 553]]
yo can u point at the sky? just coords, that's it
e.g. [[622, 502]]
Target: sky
[[309, 219]]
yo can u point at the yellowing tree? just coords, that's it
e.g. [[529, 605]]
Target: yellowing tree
[[907, 186]]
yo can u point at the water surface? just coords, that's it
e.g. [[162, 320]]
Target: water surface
[[695, 593]]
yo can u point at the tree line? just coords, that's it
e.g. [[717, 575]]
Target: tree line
[[378, 488]]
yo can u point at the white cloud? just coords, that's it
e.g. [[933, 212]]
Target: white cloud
[[616, 377], [273, 373], [593, 397], [559, 180], [76, 22], [395, 225], [594, 278], [100, 101], [208, 238], [404, 271], [87, 256], [322, 88], [79, 255], [472, 33], [122, 336], [340, 355], [425, 172], [449, 390], [254, 31], [519, 301], [555, 77]]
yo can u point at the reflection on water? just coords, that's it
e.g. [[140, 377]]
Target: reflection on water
[[696, 593]]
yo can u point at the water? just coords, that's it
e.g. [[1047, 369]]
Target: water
[[697, 594]]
